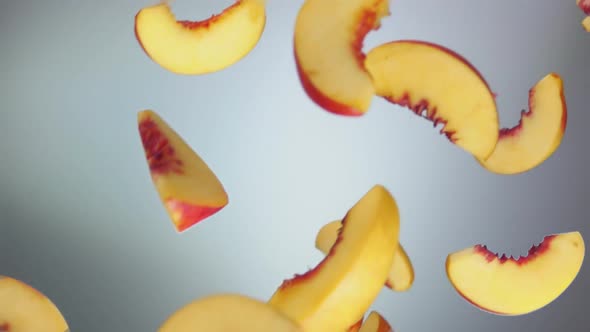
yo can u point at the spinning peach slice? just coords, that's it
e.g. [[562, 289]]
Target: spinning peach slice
[[375, 323], [25, 309], [401, 274], [538, 134], [328, 52], [434, 80], [189, 190], [508, 286], [228, 312], [186, 47], [338, 291]]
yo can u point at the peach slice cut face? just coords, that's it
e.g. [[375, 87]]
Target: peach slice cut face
[[376, 323], [338, 291], [187, 187], [538, 134], [328, 52], [24, 309], [440, 85], [508, 286], [200, 47], [401, 274], [228, 312]]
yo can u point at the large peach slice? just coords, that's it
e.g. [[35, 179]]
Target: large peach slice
[[340, 289], [188, 188], [328, 52], [401, 274], [538, 133], [25, 309], [228, 312], [376, 323], [186, 47], [434, 80], [507, 286]]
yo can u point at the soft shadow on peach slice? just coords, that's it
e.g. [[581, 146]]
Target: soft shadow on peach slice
[[401, 274], [187, 187], [439, 84], [186, 47], [508, 286], [340, 289], [328, 52], [25, 309], [537, 135], [376, 323], [228, 312]]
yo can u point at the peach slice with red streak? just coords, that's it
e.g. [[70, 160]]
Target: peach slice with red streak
[[340, 289], [584, 5], [228, 312], [401, 274], [328, 52], [439, 84], [537, 135], [200, 47], [376, 323], [508, 286], [24, 308], [187, 187]]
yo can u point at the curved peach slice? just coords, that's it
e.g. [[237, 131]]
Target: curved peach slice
[[430, 78], [538, 133], [401, 274], [328, 52], [200, 47], [376, 323], [189, 190], [228, 312], [23, 308], [508, 286], [340, 289]]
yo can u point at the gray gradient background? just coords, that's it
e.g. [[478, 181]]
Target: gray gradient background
[[81, 221]]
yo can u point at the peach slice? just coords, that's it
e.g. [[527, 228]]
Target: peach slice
[[189, 190], [401, 274], [584, 6], [376, 323], [328, 52], [340, 289], [586, 23], [356, 327], [431, 79], [191, 48], [24, 308], [228, 312], [507, 286], [537, 135]]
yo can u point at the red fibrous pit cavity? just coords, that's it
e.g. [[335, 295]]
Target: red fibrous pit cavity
[[5, 327], [534, 251], [160, 154], [190, 214], [207, 23]]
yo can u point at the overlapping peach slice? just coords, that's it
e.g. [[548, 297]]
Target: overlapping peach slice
[[25, 309], [187, 187], [336, 293], [199, 47], [328, 52], [401, 274], [507, 286], [228, 312], [431, 79], [538, 134], [376, 323]]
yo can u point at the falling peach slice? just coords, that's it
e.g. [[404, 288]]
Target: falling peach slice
[[586, 23], [188, 188], [508, 286], [376, 323], [401, 274]]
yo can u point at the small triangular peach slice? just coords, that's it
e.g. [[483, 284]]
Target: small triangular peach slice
[[537, 135], [340, 289], [401, 274], [25, 309], [187, 187], [228, 312], [376, 323], [508, 286], [200, 47]]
